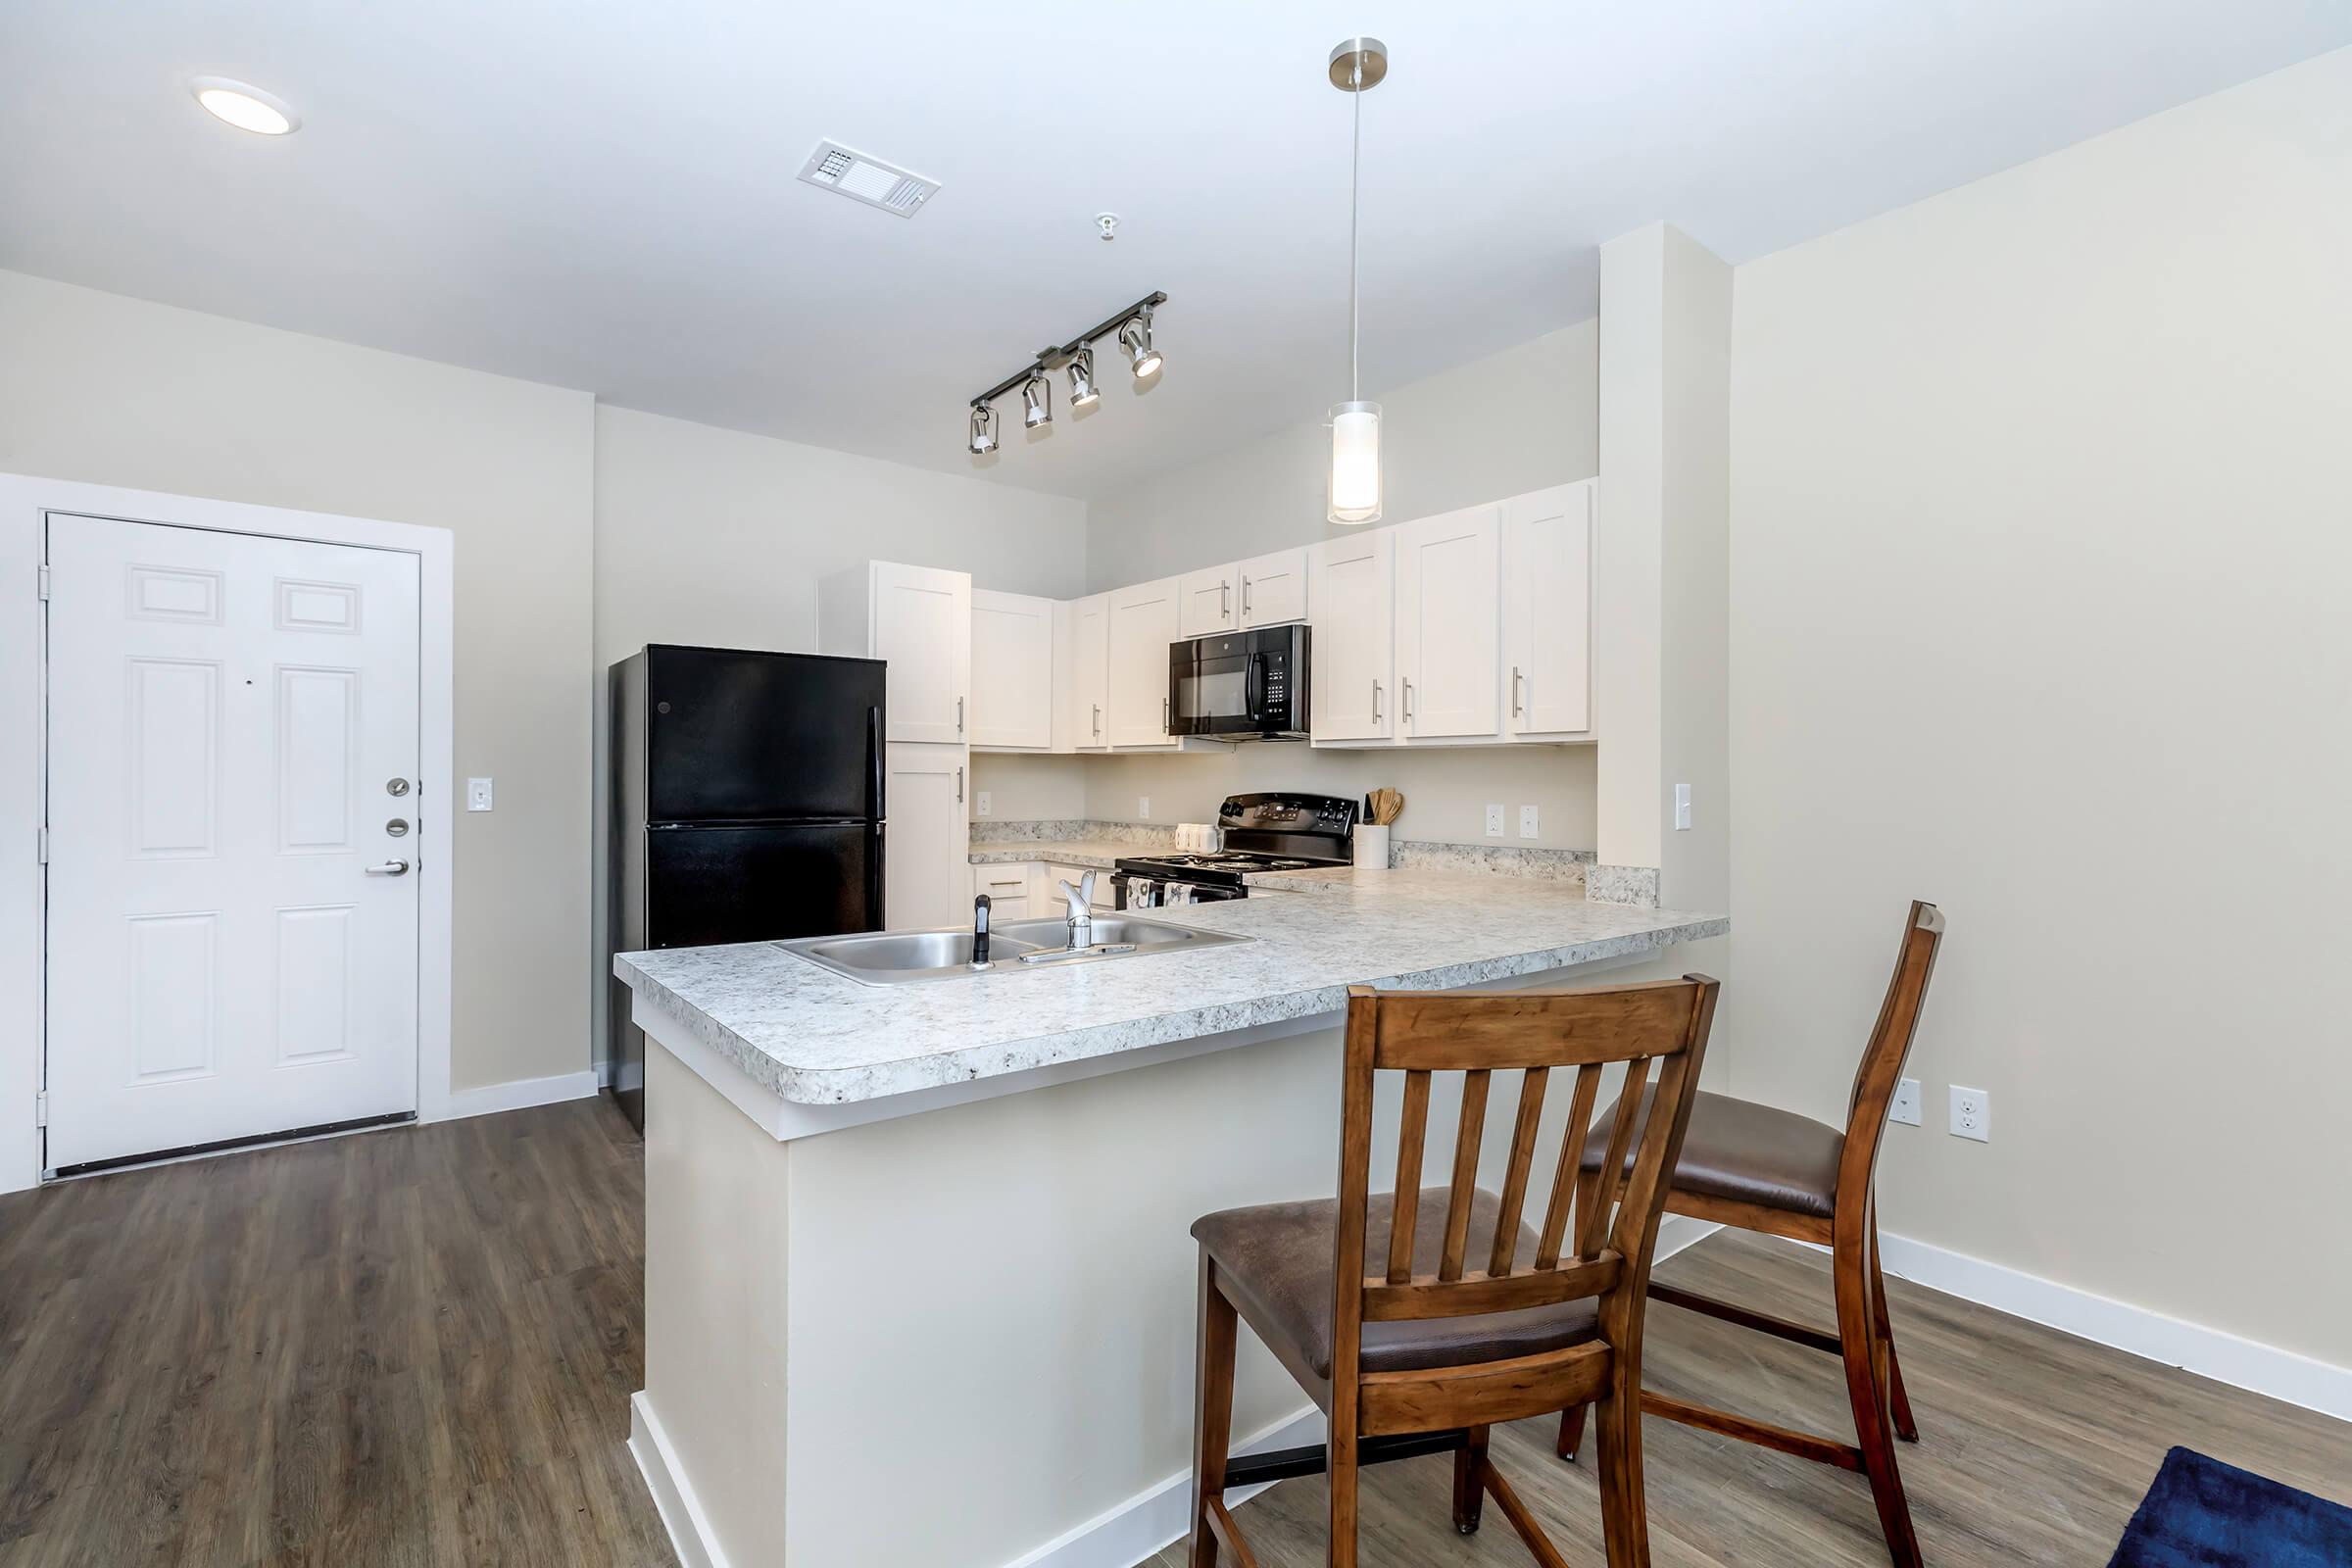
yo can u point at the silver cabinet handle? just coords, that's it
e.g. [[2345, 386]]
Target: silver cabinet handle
[[388, 868], [1098, 719], [1408, 701], [1168, 717], [958, 716], [959, 786], [1224, 600], [1514, 691], [1244, 595], [1376, 702]]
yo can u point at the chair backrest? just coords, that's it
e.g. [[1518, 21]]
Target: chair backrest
[[1889, 1047], [1531, 1033]]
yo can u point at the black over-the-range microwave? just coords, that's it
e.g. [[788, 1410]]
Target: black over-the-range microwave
[[1240, 685]]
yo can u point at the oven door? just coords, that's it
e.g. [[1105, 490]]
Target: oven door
[[1210, 683]]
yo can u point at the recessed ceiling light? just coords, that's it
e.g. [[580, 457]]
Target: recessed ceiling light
[[245, 107]]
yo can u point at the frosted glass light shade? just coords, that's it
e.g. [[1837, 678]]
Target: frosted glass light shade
[[1355, 491]]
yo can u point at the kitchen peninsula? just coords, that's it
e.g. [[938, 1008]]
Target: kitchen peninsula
[[918, 1284]]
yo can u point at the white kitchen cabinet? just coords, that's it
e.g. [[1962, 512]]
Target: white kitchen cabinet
[[1548, 613], [926, 850], [1272, 588], [919, 619], [1449, 625], [1207, 602], [1142, 622], [1008, 889], [1012, 671], [1351, 583], [1090, 672]]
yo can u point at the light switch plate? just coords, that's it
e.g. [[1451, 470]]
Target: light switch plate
[[1972, 1114], [1681, 807], [477, 795], [1905, 1109], [983, 803], [1143, 807], [1528, 820], [1495, 821]]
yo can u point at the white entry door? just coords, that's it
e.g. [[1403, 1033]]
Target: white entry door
[[233, 837]]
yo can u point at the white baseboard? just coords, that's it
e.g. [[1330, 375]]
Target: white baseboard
[[2225, 1357], [674, 1495], [520, 1094]]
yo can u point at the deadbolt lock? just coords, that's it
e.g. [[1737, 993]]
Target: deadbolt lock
[[396, 786]]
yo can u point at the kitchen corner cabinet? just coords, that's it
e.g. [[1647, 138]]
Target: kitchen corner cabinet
[[1012, 672], [1449, 627], [1351, 585], [1548, 614], [919, 619], [927, 862], [1142, 622]]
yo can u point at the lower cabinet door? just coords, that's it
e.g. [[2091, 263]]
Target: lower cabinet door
[[926, 851]]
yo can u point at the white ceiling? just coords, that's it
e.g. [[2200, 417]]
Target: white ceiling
[[601, 195]]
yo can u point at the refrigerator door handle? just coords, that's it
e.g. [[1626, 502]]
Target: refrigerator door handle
[[873, 871]]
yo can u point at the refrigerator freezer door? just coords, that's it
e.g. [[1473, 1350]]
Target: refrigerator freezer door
[[710, 885], [736, 736]]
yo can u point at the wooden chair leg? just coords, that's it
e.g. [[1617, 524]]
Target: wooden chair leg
[[1905, 1427], [1212, 1411], [1857, 1333], [1470, 1481], [1572, 1431], [1341, 1458], [1623, 1515]]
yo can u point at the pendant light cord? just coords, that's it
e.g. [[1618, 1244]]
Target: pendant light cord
[[1356, 179]]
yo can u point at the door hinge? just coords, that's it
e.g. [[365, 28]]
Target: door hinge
[[40, 1108], [41, 578], [44, 844]]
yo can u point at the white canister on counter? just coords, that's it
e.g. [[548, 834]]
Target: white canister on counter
[[1371, 847]]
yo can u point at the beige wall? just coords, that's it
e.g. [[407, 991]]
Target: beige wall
[[1515, 422], [2042, 528], [117, 391]]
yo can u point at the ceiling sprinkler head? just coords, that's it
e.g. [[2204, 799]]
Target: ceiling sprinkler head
[[1108, 223]]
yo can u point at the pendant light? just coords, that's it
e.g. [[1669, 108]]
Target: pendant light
[[1357, 66]]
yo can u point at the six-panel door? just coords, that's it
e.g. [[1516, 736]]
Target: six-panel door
[[235, 837]]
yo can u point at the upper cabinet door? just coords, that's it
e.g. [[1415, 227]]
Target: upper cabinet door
[[1090, 672], [1012, 671], [1273, 588], [1547, 612], [922, 627], [1352, 579], [1142, 622], [1209, 601], [1449, 625]]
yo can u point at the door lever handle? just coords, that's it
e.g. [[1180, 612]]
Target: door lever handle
[[388, 868]]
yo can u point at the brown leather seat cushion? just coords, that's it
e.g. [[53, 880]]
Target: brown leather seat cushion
[[1276, 1263], [1746, 1153]]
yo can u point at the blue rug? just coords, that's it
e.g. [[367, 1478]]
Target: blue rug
[[2202, 1513]]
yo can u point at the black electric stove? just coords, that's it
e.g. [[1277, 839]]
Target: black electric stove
[[1264, 832]]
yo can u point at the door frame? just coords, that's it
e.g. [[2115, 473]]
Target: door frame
[[25, 502]]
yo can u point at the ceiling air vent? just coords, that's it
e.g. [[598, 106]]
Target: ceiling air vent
[[870, 180]]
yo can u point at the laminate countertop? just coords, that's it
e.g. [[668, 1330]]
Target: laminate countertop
[[815, 1037]]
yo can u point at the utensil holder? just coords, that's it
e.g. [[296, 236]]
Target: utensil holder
[[1371, 847]]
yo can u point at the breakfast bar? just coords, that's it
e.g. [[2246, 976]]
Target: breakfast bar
[[918, 1284]]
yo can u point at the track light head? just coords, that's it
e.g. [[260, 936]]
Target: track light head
[[1136, 338], [984, 428], [1082, 379], [1037, 402]]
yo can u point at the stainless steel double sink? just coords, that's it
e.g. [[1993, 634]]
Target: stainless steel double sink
[[904, 957]]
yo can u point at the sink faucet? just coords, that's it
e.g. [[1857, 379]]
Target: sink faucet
[[980, 912], [1081, 902]]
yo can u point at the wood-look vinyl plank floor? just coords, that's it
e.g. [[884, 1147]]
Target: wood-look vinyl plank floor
[[2036, 1447]]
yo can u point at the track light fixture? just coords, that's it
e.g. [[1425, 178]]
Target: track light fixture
[[1132, 329]]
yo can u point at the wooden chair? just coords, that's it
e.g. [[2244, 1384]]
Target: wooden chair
[[1425, 1353], [1770, 1170]]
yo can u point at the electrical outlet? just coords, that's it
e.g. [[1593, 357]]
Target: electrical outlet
[[1495, 821], [1143, 807], [477, 795], [1681, 807], [985, 805], [1528, 828], [1905, 1109], [1972, 1114]]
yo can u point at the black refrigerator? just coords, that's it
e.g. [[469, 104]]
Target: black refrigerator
[[747, 806]]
